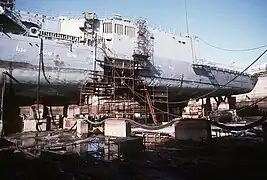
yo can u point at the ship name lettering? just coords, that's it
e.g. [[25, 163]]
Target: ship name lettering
[[19, 49], [48, 53], [73, 55]]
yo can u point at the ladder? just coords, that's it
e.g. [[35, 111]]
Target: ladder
[[151, 109]]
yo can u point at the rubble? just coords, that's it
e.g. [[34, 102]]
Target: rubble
[[221, 158]]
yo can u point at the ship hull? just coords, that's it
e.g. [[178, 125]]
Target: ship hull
[[67, 68]]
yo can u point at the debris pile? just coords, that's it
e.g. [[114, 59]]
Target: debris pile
[[222, 158]]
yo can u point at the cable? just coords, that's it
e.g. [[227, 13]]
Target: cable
[[95, 123], [134, 92], [4, 75], [3, 90], [43, 70], [139, 124], [207, 94], [220, 87], [38, 87], [140, 95], [254, 103], [239, 128], [41, 65], [180, 102], [11, 77], [220, 125], [187, 31], [232, 50], [38, 123]]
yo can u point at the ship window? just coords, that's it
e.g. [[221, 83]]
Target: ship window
[[179, 41], [107, 28], [183, 42], [129, 31], [119, 29]]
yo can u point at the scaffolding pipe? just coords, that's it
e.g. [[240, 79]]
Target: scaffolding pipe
[[2, 103]]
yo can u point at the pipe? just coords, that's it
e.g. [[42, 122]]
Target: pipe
[[2, 103]]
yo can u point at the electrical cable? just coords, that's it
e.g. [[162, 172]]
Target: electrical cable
[[134, 92], [139, 124], [202, 96], [220, 125], [187, 31], [170, 123], [3, 91], [254, 103], [4, 75], [72, 127], [38, 124], [43, 70], [14, 79], [96, 123], [220, 87], [233, 50], [140, 95], [173, 121], [41, 65], [11, 77], [239, 128]]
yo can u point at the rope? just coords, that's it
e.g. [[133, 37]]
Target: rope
[[232, 50]]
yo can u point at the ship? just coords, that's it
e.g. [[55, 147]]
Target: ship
[[58, 55], [255, 100]]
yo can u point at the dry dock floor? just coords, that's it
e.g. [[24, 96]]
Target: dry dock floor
[[223, 158]]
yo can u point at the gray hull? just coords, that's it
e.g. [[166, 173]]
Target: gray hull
[[68, 68]]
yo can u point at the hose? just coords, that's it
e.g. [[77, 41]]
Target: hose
[[175, 120]]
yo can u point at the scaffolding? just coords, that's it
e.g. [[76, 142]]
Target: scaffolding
[[121, 87], [95, 89]]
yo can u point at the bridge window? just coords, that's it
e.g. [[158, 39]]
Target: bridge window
[[119, 29], [107, 27], [129, 31]]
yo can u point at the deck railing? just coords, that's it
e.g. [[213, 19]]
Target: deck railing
[[218, 66]]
